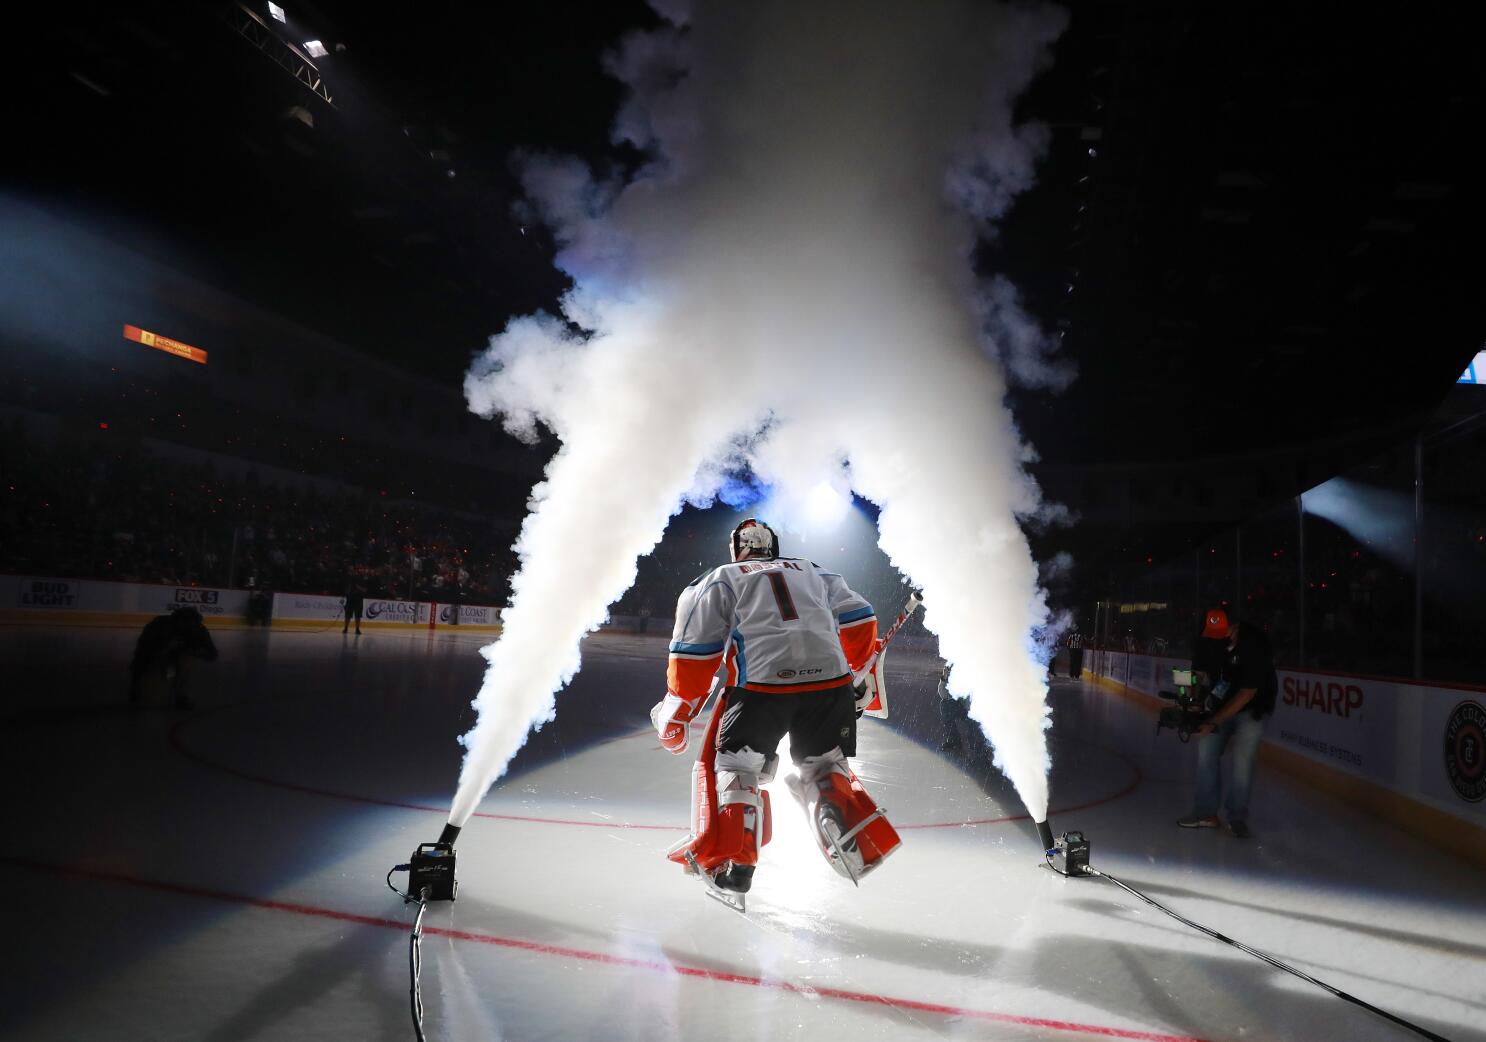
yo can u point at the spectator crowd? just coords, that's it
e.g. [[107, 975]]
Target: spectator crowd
[[87, 510]]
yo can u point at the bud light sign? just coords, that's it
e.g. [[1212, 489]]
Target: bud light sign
[[48, 593]]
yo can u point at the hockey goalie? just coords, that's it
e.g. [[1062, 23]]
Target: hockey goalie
[[798, 649]]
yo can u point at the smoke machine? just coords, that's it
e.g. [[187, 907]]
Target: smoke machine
[[431, 869], [1072, 848]]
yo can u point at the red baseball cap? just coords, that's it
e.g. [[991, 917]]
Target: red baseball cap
[[1216, 624]]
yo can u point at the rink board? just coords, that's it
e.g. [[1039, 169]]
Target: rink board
[[49, 600]]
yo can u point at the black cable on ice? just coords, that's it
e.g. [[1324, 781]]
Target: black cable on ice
[[415, 965], [1256, 953], [415, 950]]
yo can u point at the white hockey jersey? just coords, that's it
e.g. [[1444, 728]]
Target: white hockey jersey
[[784, 625]]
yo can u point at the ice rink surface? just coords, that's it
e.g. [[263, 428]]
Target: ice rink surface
[[219, 874]]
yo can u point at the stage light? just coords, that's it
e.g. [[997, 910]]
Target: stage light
[[315, 49], [825, 507], [277, 13]]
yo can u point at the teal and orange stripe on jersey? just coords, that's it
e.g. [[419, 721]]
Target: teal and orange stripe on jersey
[[690, 668]]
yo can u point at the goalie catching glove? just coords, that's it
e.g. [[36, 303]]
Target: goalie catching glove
[[672, 718]]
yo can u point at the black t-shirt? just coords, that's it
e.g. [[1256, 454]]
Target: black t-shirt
[[1210, 656], [1253, 666]]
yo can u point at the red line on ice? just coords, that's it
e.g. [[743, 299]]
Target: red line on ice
[[604, 958]]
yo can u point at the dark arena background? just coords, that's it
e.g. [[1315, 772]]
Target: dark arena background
[[254, 537]]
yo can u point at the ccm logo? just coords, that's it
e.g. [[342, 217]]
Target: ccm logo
[[1331, 698], [785, 674]]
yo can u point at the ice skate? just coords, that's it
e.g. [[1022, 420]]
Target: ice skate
[[850, 830], [737, 878], [734, 899], [844, 854]]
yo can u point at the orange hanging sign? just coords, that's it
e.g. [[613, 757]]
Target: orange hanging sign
[[164, 343]]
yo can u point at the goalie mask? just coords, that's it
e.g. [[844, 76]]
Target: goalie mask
[[753, 539]]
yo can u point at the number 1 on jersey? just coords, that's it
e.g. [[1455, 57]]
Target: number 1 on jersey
[[782, 597]]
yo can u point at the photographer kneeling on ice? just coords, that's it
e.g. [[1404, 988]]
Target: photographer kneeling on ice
[[1245, 693], [162, 656]]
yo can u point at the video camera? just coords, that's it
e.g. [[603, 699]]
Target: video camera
[[1191, 705]]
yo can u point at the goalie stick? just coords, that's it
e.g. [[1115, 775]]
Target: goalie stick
[[871, 671]]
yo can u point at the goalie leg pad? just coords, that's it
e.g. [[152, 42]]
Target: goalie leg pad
[[743, 811], [731, 818], [851, 830]]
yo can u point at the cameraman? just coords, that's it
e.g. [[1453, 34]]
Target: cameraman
[[1247, 686], [161, 655]]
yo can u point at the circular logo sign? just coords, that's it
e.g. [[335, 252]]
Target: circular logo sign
[[1465, 751]]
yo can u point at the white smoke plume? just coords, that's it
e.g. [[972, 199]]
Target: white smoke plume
[[787, 283]]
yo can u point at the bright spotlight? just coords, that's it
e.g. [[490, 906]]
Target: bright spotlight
[[825, 507], [277, 13], [315, 49], [1380, 519]]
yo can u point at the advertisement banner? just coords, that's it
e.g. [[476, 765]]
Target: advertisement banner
[[157, 600], [1351, 724], [91, 602], [164, 343], [468, 615], [35, 593], [46, 594], [406, 612], [308, 606], [1452, 750]]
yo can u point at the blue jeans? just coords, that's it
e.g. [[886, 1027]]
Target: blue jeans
[[1244, 733]]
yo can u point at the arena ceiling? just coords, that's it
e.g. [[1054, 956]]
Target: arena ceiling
[[1257, 231]]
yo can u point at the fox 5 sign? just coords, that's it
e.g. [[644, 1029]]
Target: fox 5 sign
[[208, 602]]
